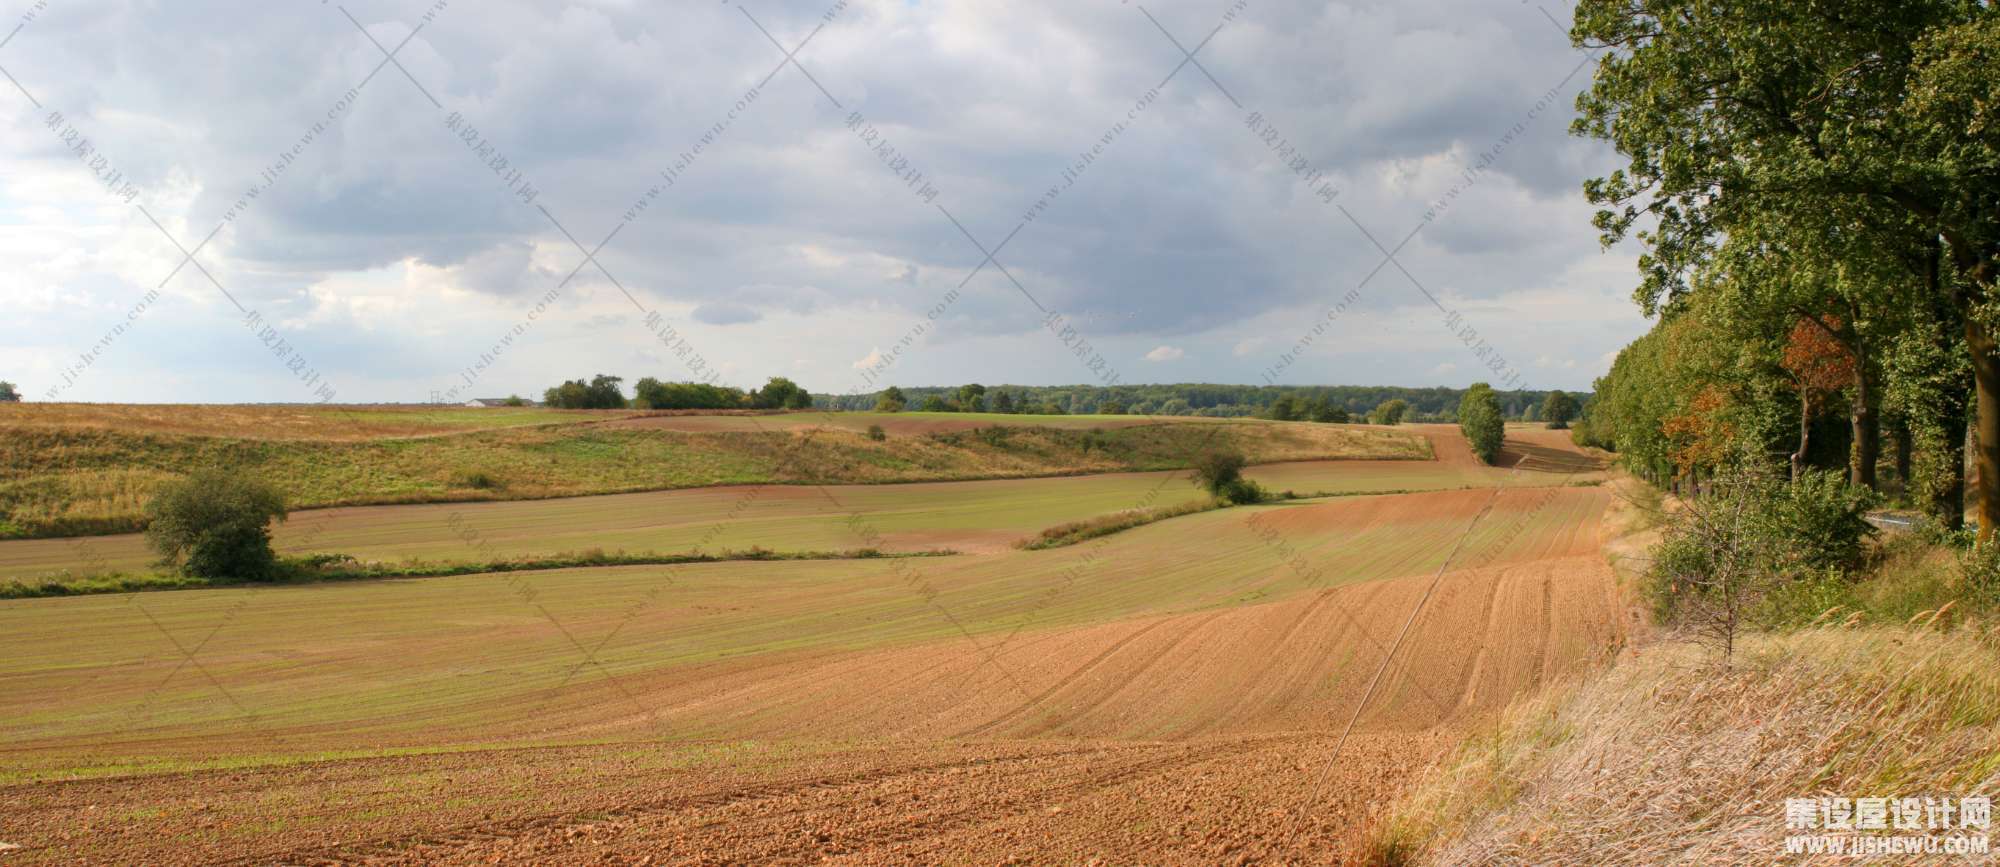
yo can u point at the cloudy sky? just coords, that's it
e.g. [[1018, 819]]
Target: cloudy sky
[[827, 220]]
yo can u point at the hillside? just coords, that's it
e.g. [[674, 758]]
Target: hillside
[[80, 477], [1667, 753], [1168, 694]]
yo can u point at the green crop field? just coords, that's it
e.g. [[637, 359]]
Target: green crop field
[[399, 662], [915, 516]]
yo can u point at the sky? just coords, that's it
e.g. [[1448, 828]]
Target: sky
[[441, 199]]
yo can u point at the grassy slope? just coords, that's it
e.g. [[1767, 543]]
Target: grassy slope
[[68, 481], [295, 422], [1668, 753], [1892, 688]]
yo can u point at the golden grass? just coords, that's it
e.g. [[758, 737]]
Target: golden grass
[[1670, 757], [286, 421]]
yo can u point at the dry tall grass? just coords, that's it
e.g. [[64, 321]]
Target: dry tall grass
[[1668, 759]]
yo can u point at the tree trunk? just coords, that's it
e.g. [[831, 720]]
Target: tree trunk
[[1867, 428], [1805, 434], [1986, 425], [1903, 457], [1949, 507]]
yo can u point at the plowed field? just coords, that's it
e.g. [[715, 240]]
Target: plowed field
[[1170, 694]]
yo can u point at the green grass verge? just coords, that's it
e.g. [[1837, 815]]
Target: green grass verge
[[325, 567], [1073, 532]]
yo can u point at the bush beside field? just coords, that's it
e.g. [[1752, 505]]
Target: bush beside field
[[60, 482], [339, 567]]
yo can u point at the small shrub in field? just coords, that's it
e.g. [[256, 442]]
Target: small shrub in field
[[1759, 550], [477, 480], [1243, 491], [1217, 470], [216, 524], [1979, 566], [876, 433], [1826, 519]]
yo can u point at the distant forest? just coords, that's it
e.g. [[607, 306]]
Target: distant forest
[[1426, 404]]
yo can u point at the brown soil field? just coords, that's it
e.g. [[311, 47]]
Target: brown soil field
[[1170, 694]]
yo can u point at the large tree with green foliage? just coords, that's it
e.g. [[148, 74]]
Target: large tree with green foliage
[[971, 397], [650, 393], [216, 523], [780, 393], [1558, 409], [8, 394], [1324, 411], [1480, 418], [1726, 112], [1390, 411], [601, 392], [891, 400]]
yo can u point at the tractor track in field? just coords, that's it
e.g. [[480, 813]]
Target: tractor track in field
[[1067, 679], [1129, 678], [474, 833], [877, 831]]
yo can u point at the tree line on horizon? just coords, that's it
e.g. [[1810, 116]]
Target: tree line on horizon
[[1326, 403], [605, 392]]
